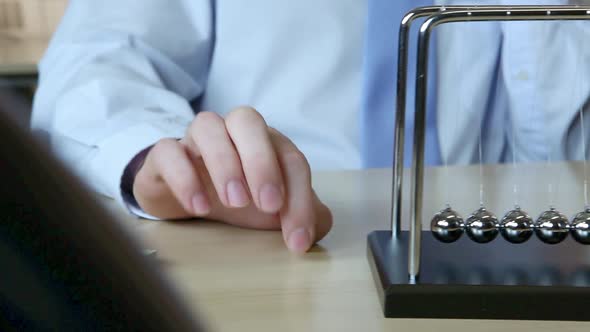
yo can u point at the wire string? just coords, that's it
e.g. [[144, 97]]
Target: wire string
[[481, 186], [514, 167], [583, 135], [550, 146], [586, 205], [459, 108]]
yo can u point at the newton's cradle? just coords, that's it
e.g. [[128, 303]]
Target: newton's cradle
[[420, 274]]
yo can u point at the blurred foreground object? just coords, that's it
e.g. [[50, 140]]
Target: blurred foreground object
[[66, 264]]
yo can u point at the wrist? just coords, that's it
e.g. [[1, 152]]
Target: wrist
[[129, 174]]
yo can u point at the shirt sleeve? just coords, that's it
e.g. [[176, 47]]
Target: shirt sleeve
[[127, 180], [117, 77]]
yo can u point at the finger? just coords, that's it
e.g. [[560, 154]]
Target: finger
[[221, 159], [173, 165], [298, 214], [250, 136], [323, 219], [154, 196]]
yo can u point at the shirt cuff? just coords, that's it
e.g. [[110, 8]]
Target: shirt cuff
[[127, 180], [106, 165]]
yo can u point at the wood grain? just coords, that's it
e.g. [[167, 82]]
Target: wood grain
[[246, 280], [25, 29]]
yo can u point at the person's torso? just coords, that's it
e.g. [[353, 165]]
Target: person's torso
[[299, 64]]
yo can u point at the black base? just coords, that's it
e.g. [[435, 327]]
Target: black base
[[499, 280]]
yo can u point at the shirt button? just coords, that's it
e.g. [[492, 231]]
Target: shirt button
[[522, 75]]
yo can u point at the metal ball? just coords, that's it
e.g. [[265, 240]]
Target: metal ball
[[516, 226], [580, 227], [447, 226], [482, 226], [552, 227]]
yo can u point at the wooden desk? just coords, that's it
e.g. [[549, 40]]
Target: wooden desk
[[21, 56], [24, 37], [18, 60], [245, 280]]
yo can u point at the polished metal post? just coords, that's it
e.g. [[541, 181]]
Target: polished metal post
[[400, 115], [474, 14], [418, 156], [400, 112]]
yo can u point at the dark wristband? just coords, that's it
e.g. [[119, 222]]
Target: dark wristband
[[128, 177]]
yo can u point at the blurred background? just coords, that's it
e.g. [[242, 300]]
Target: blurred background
[[25, 29]]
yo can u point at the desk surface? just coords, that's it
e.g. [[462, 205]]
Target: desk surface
[[245, 280], [20, 56]]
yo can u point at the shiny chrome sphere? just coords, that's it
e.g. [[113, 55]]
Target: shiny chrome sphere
[[447, 226], [580, 227], [516, 226], [482, 226], [552, 227]]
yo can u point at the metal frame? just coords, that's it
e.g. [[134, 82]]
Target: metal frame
[[438, 15], [402, 78]]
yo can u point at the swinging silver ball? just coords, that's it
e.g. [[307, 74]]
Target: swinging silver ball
[[516, 226], [580, 227], [552, 227], [482, 226], [447, 226]]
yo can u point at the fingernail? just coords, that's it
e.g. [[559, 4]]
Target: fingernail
[[271, 198], [236, 194], [299, 240], [201, 204]]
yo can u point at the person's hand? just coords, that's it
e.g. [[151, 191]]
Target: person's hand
[[236, 170]]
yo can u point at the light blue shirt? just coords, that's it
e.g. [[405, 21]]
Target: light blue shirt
[[120, 75], [380, 70], [529, 79]]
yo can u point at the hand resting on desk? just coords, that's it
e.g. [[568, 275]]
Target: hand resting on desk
[[236, 170]]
